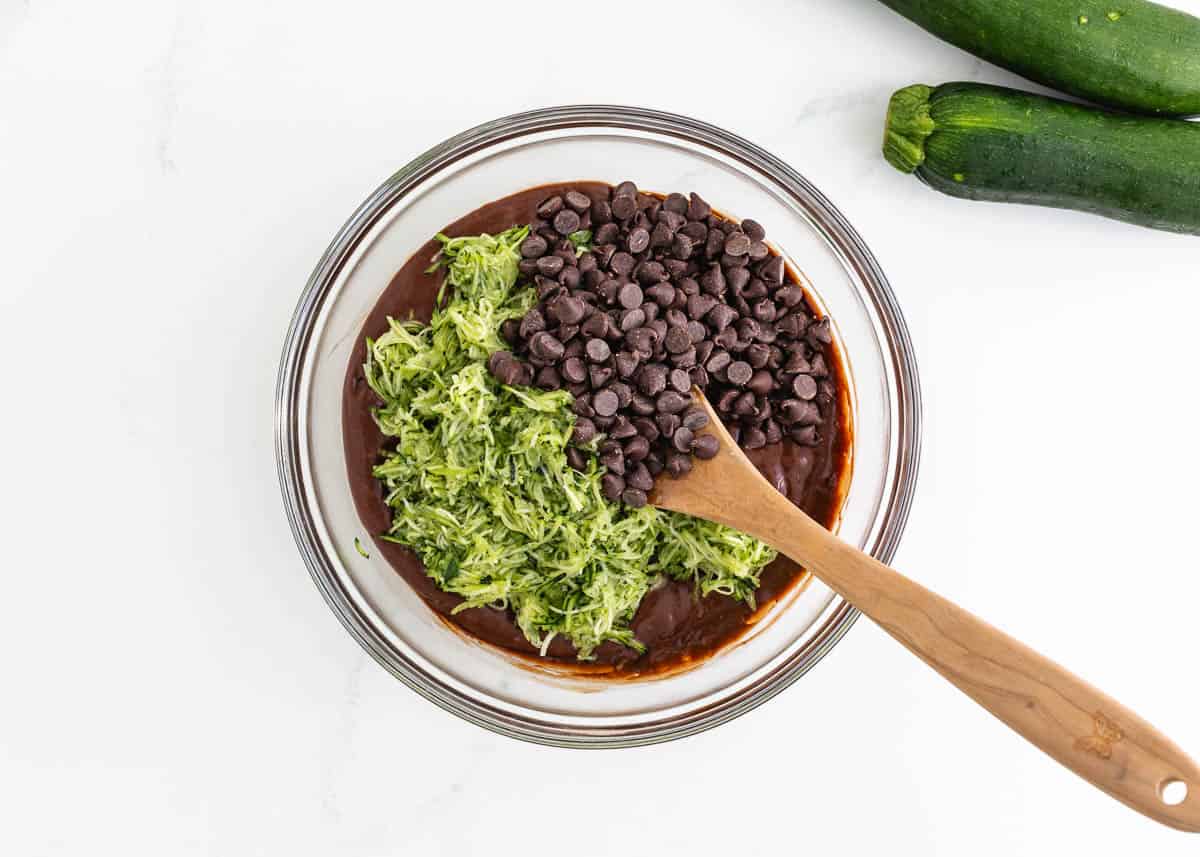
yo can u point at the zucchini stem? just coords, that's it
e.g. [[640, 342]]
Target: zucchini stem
[[907, 127]]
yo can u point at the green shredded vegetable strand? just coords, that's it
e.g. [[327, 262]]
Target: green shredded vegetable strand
[[480, 486]]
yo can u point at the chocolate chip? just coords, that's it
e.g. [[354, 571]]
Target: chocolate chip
[[534, 246], [638, 446], [726, 401], [624, 206], [533, 322], [739, 372], [626, 363], [653, 379], [712, 281], [622, 264], [662, 294], [624, 394], [804, 435], [688, 285], [727, 338], [719, 360], [675, 318], [819, 333], [611, 486], [548, 379], [566, 332], [745, 405], [577, 201], [637, 240], [737, 244], [647, 428], [678, 465], [773, 432], [698, 306], [714, 244], [597, 350], [605, 403], [668, 424], [671, 402], [753, 230], [601, 212], [576, 459], [631, 319], [570, 277], [819, 369], [654, 463], [790, 295], [753, 438], [634, 498], [678, 339], [548, 266], [642, 340], [651, 310], [585, 431], [721, 316], [804, 387], [685, 359], [566, 309], [566, 222], [682, 246], [596, 325], [622, 428], [747, 330], [758, 250], [771, 271], [649, 273], [546, 346], [640, 477], [757, 355], [705, 446], [599, 376], [792, 325], [574, 370], [755, 289], [699, 376], [582, 406], [764, 310], [630, 295], [695, 419], [761, 383], [680, 381], [697, 332], [642, 404], [625, 188], [682, 439], [676, 203], [697, 208], [550, 207]]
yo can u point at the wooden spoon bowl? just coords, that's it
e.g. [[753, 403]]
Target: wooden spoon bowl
[[1085, 730]]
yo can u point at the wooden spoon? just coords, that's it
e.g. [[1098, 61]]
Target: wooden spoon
[[1090, 733]]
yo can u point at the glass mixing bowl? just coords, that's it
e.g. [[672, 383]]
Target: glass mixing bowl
[[660, 152]]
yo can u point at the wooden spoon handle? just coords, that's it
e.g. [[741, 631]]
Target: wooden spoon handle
[[1085, 730]]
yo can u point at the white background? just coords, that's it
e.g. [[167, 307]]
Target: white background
[[172, 682]]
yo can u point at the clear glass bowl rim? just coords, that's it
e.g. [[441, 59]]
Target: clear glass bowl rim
[[829, 221]]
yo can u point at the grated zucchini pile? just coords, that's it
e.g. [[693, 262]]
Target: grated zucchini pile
[[481, 489]]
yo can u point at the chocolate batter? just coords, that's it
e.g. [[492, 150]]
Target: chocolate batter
[[677, 627]]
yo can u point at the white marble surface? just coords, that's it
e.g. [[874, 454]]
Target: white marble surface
[[173, 683]]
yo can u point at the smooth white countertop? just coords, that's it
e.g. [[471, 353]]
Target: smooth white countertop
[[174, 684]]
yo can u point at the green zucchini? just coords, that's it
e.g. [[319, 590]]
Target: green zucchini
[[1131, 54], [976, 141]]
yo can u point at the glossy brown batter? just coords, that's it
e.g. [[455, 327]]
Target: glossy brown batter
[[677, 627]]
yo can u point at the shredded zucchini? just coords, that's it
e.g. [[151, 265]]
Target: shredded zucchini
[[481, 489]]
